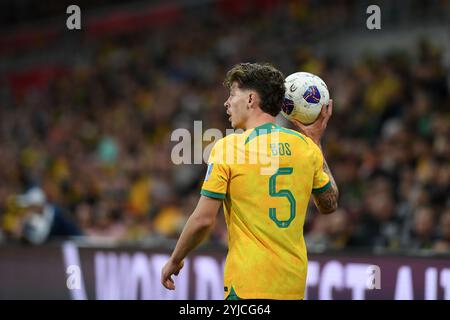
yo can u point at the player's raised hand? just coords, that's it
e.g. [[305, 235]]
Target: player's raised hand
[[316, 129], [171, 268]]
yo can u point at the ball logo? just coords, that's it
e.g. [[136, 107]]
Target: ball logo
[[293, 87], [288, 106], [312, 95]]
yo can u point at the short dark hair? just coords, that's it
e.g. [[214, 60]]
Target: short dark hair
[[264, 78]]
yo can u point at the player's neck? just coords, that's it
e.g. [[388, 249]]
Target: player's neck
[[259, 121]]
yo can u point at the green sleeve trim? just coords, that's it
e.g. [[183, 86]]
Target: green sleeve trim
[[320, 190], [214, 195]]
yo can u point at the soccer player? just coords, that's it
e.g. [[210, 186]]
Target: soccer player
[[264, 206]]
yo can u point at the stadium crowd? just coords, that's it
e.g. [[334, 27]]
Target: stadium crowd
[[89, 154]]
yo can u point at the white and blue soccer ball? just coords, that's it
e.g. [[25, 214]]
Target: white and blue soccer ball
[[305, 94]]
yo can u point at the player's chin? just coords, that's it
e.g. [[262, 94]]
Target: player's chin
[[235, 124]]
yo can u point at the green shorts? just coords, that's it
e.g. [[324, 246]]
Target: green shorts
[[233, 295]]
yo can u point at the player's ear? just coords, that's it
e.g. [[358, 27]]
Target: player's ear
[[251, 98]]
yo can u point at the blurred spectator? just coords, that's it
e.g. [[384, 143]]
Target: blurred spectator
[[40, 220], [331, 231], [379, 226], [442, 245], [421, 234]]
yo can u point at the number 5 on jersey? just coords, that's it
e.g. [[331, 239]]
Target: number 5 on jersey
[[282, 193]]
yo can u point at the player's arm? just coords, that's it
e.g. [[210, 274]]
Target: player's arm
[[197, 228], [326, 201]]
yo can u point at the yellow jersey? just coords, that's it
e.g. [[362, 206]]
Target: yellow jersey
[[265, 177]]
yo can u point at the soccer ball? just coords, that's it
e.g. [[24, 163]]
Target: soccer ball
[[304, 97]]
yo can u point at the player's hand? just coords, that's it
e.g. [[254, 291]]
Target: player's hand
[[316, 129], [171, 268]]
